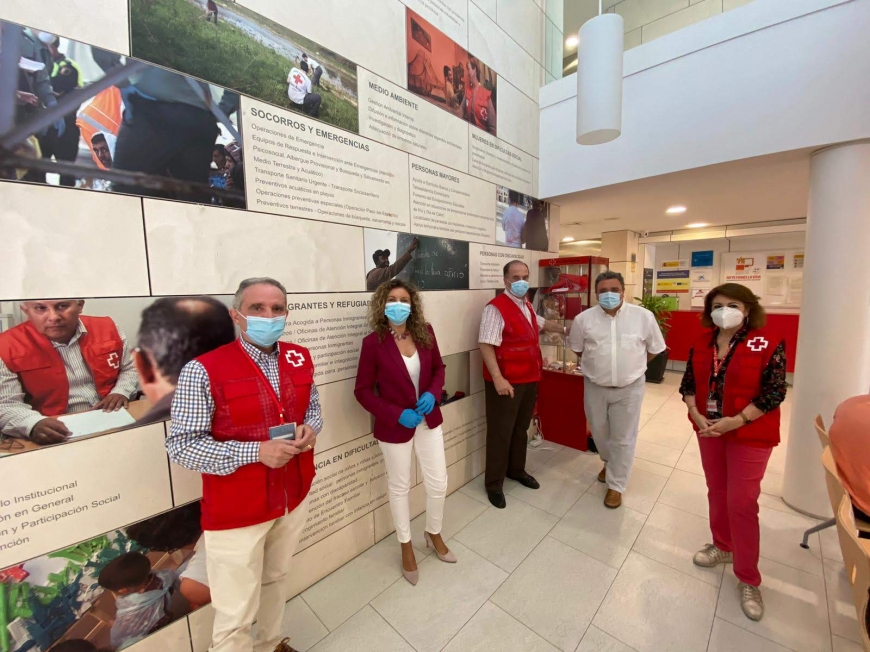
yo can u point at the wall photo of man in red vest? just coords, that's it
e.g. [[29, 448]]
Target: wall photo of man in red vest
[[58, 362], [246, 416], [512, 366]]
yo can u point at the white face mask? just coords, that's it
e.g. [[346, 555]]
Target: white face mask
[[727, 317]]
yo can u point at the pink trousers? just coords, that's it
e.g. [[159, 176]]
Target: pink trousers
[[734, 472]]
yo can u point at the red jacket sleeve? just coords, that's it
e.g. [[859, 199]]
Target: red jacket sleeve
[[366, 381], [438, 371]]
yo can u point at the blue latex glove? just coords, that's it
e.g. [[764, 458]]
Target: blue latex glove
[[410, 419], [60, 125], [426, 404]]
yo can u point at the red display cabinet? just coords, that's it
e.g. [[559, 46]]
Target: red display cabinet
[[566, 289]]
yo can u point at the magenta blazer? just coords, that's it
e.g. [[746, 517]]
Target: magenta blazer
[[384, 387]]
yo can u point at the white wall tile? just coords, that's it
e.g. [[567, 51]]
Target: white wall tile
[[518, 118], [344, 419], [633, 38], [523, 21], [186, 484], [487, 263], [201, 625], [636, 13], [489, 7], [475, 364], [204, 250], [70, 19], [555, 11], [449, 16], [488, 42], [455, 316], [174, 637], [728, 5], [65, 243], [681, 19], [359, 31]]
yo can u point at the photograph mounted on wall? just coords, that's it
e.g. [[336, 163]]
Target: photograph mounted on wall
[[87, 118], [446, 75], [226, 43], [522, 221], [109, 592], [429, 263]]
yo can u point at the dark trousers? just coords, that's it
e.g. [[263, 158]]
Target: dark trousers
[[61, 148], [167, 139], [311, 104], [315, 81], [507, 425]]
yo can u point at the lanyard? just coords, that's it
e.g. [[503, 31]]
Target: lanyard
[[717, 363], [271, 389]]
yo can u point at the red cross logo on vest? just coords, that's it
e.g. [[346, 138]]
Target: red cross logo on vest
[[297, 79], [114, 361], [757, 344], [295, 358], [484, 114]]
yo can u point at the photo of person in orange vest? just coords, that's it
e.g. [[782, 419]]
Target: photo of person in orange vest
[[61, 362], [478, 108], [99, 122]]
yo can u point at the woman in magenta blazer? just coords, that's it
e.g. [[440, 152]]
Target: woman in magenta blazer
[[399, 380]]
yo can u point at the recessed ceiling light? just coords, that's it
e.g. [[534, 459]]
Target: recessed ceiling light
[[572, 41], [676, 210], [568, 239], [697, 225]]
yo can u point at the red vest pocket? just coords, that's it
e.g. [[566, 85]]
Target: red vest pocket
[[243, 402]]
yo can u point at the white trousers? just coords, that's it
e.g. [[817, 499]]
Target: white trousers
[[248, 572], [613, 414], [429, 446]]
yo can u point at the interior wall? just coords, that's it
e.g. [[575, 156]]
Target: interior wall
[[388, 159]]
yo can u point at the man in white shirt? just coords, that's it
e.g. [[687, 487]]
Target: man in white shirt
[[299, 92], [315, 68], [615, 340], [512, 221]]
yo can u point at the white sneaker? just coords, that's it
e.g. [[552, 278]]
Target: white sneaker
[[710, 556], [750, 601]]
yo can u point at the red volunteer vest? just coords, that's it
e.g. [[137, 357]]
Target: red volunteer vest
[[478, 103], [742, 384], [244, 411], [519, 356], [40, 368]]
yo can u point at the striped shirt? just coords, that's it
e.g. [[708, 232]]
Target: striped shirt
[[492, 324], [17, 418], [190, 443]]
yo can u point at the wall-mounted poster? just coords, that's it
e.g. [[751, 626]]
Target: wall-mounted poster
[[521, 220], [184, 142], [776, 261], [698, 296], [443, 73], [672, 281], [798, 261], [702, 277], [702, 258], [674, 264], [429, 263], [228, 44]]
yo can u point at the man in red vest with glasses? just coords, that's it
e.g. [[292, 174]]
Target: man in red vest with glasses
[[512, 367], [246, 415], [60, 362]]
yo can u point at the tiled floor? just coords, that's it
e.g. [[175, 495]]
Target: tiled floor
[[556, 570]]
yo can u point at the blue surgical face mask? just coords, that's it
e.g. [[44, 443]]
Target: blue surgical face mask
[[519, 288], [397, 312], [609, 300], [265, 331]]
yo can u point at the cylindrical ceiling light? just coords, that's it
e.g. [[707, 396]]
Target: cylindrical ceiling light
[[599, 79]]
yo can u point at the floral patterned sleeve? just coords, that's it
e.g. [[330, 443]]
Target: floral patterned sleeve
[[687, 386], [773, 385]]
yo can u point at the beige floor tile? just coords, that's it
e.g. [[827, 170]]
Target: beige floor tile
[[559, 489], [654, 453], [477, 490], [556, 592], [666, 434], [845, 645], [459, 510], [493, 629], [771, 484], [597, 641], [781, 535], [730, 638], [841, 604], [302, 625], [653, 607], [690, 460], [686, 491], [831, 544], [652, 467], [365, 632]]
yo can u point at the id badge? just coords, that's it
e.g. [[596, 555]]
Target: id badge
[[284, 431], [712, 406]]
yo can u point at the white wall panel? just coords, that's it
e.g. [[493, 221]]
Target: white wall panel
[[488, 42], [64, 243], [370, 33], [99, 22], [344, 419], [455, 316], [450, 16], [203, 250], [489, 7], [175, 637], [475, 363], [518, 118], [523, 21]]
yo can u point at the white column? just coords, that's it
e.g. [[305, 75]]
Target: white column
[[833, 351]]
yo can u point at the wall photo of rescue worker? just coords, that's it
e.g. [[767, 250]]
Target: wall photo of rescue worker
[[150, 132]]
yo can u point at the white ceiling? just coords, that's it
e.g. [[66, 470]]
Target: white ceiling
[[760, 189]]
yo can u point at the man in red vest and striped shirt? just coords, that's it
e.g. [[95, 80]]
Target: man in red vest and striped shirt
[[512, 367], [246, 415]]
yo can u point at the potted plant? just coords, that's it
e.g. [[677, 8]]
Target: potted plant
[[659, 306]]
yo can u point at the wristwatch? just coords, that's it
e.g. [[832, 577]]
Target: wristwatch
[[746, 420]]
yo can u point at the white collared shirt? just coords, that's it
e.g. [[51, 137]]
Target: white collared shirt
[[615, 348]]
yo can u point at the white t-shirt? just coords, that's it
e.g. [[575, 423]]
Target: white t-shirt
[[195, 568], [413, 366], [615, 348], [298, 85], [512, 221], [313, 64]]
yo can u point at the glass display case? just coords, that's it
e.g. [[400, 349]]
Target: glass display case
[[565, 291]]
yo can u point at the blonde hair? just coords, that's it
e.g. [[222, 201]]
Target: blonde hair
[[417, 325]]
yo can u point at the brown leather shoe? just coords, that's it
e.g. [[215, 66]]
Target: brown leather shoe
[[613, 499], [284, 646], [602, 476]]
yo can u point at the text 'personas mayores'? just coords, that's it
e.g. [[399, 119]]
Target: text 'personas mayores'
[[495, 145], [393, 96], [443, 175], [309, 129]]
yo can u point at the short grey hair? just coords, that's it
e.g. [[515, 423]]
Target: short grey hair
[[507, 267], [606, 276], [257, 280]]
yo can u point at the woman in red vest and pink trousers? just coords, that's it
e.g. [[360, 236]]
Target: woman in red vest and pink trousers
[[733, 386], [400, 380]]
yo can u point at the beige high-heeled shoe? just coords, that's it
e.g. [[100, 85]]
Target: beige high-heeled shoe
[[412, 576], [450, 558]]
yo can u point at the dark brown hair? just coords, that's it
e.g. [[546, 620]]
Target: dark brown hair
[[416, 324], [125, 572], [757, 317]]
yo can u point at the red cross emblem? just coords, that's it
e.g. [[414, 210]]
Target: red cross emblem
[[757, 344], [114, 361], [297, 79], [295, 358], [484, 113]]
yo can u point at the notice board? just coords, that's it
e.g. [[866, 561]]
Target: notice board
[[776, 276]]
